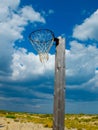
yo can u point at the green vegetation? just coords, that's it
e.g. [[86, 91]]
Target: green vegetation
[[79, 121], [10, 116], [82, 121]]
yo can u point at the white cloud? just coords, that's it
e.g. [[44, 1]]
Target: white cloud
[[9, 3], [81, 63], [88, 29], [28, 13], [20, 65], [13, 20], [14, 23], [26, 65], [51, 11], [6, 8]]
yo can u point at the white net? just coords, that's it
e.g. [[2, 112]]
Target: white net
[[42, 40], [43, 57]]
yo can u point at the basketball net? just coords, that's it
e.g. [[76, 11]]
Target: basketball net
[[42, 41]]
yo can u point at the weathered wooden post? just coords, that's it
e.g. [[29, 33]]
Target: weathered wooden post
[[59, 90], [42, 40]]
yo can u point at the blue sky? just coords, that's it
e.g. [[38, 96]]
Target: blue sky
[[26, 84]]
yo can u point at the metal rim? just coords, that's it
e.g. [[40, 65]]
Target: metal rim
[[30, 36]]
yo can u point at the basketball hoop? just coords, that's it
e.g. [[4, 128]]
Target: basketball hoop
[[42, 40]]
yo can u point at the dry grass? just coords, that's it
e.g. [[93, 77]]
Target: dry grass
[[10, 124], [82, 122], [27, 121]]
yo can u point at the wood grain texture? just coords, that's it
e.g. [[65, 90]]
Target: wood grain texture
[[59, 90]]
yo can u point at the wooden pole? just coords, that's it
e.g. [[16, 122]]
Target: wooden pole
[[59, 90]]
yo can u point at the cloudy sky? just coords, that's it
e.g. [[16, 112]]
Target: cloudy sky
[[28, 85]]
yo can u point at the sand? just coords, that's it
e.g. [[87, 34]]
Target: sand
[[10, 124]]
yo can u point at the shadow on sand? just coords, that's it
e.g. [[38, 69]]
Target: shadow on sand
[[2, 125]]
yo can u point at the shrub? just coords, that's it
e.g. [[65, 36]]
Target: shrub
[[10, 116]]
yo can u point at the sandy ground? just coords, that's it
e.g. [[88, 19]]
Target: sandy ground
[[10, 124]]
